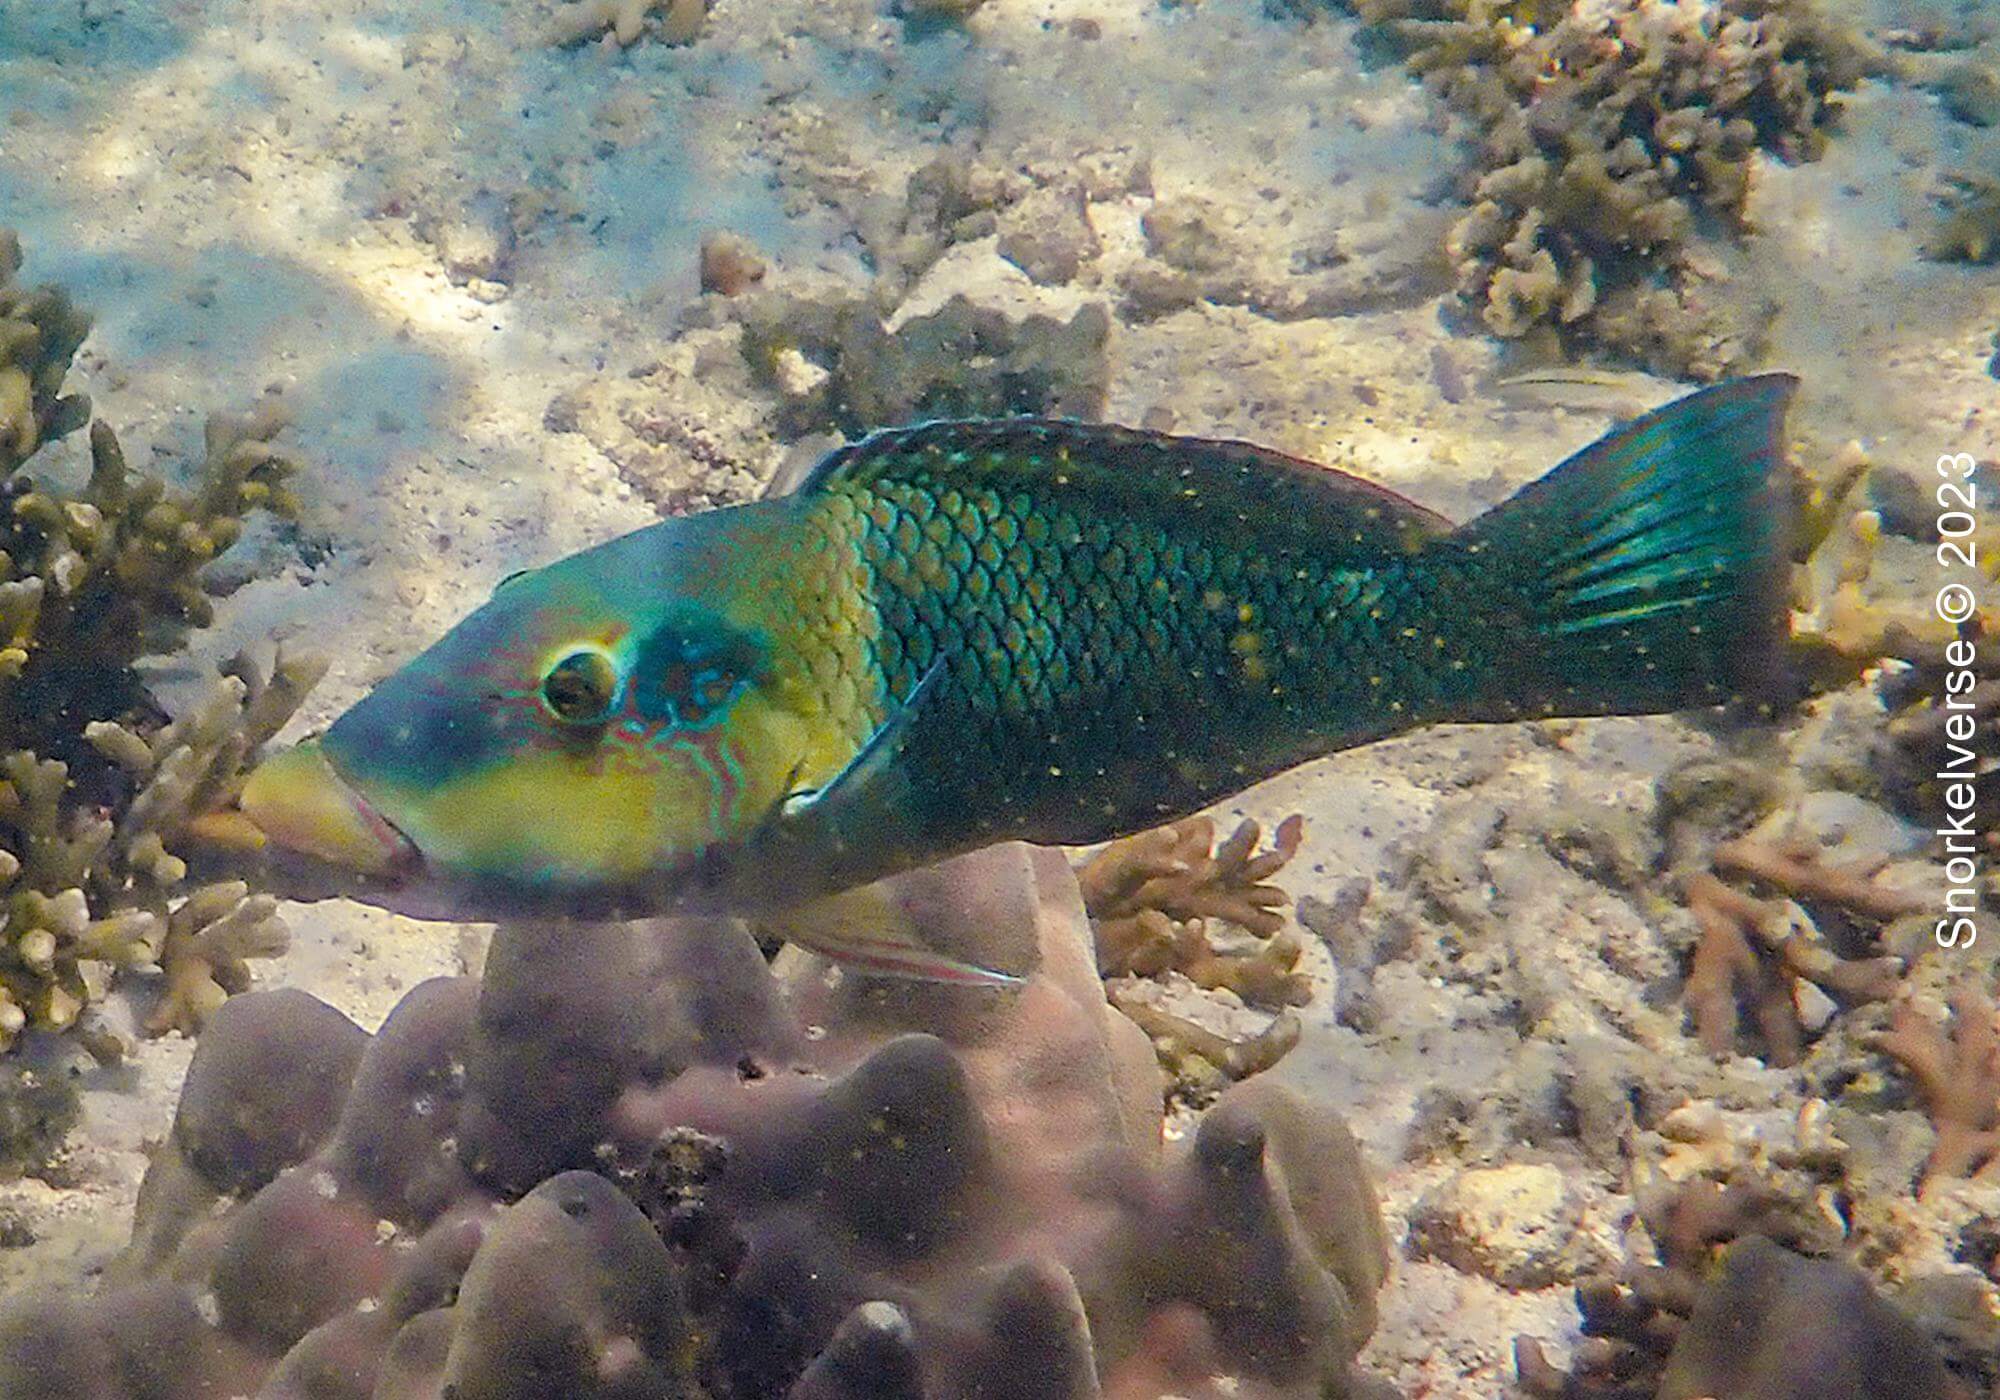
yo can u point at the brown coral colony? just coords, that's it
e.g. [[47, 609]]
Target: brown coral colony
[[97, 789]]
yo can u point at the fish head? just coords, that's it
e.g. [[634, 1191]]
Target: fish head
[[602, 736]]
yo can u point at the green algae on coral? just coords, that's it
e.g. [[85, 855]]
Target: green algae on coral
[[95, 789]]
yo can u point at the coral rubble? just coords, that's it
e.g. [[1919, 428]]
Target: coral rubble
[[633, 1162], [834, 363], [1616, 143], [96, 790], [627, 21], [1968, 230]]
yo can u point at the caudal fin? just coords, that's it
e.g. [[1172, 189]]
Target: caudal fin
[[1647, 572]]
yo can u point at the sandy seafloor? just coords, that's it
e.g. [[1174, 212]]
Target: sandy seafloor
[[251, 195]]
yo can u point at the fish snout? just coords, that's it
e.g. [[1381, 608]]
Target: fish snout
[[301, 803]]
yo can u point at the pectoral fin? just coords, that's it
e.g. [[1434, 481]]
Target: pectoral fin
[[868, 930], [843, 792]]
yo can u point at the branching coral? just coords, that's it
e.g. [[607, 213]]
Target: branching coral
[[89, 891], [1732, 1311], [1957, 1073], [1614, 138], [90, 583], [39, 334], [632, 1162], [1770, 954], [1151, 896], [95, 790]]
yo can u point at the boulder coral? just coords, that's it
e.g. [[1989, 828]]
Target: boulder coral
[[637, 1161]]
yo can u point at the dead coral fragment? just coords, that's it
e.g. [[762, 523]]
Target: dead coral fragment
[[680, 21], [1151, 896], [1958, 1076], [1606, 134], [834, 364], [1969, 230], [1770, 955]]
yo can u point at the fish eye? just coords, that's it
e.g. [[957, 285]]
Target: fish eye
[[581, 688]]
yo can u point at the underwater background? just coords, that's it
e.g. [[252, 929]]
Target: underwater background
[[1644, 1027]]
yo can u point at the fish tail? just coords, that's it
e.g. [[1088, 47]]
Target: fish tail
[[1646, 573]]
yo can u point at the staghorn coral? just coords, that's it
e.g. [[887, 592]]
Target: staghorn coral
[[1768, 954], [95, 790], [1957, 1074], [633, 1162], [1615, 146]]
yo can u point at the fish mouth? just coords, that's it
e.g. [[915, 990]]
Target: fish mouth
[[300, 802]]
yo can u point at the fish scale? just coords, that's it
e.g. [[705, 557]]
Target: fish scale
[[1095, 634]]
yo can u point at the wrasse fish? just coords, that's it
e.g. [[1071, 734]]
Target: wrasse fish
[[968, 632]]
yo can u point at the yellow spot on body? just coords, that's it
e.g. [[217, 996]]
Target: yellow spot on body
[[1213, 599]]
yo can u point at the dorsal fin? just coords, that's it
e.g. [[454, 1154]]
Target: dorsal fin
[[1227, 482]]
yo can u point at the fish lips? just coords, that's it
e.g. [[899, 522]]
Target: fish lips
[[303, 805]]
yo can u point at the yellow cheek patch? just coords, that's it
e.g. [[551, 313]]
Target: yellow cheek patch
[[559, 815]]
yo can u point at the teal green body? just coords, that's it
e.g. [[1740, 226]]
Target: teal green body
[[962, 633], [1129, 627]]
